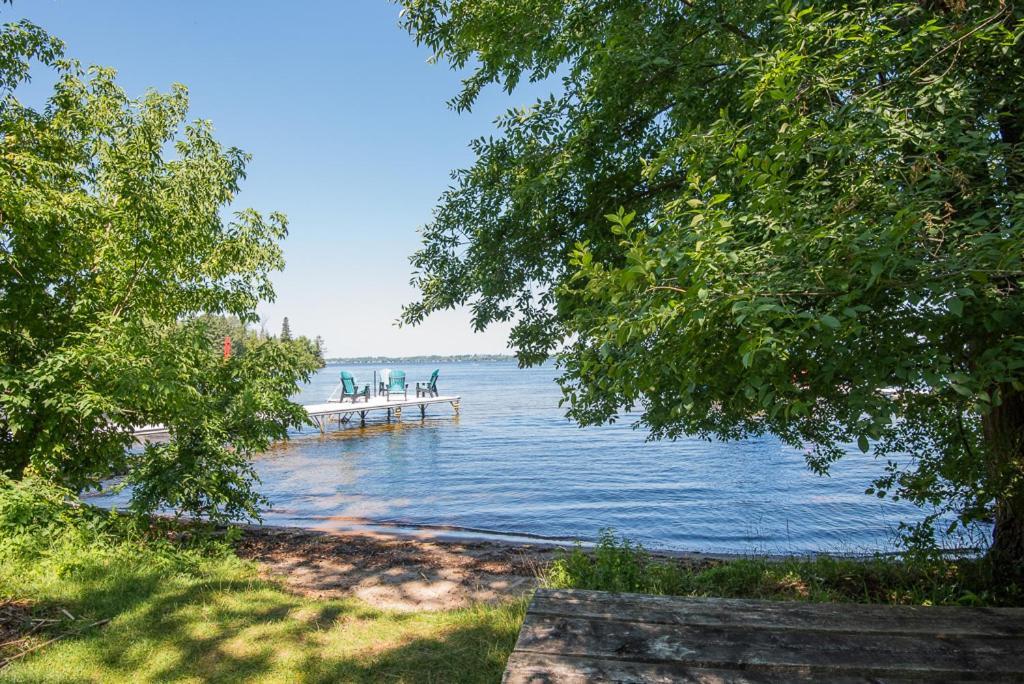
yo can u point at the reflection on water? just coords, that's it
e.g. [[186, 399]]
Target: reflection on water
[[513, 464]]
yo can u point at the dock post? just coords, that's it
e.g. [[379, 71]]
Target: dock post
[[423, 411], [398, 413], [362, 417], [455, 405], [389, 415]]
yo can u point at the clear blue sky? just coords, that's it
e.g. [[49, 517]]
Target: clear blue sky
[[349, 133]]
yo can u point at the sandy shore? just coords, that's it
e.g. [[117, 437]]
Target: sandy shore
[[408, 573], [395, 572]]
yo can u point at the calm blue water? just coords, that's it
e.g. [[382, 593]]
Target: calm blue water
[[513, 464]]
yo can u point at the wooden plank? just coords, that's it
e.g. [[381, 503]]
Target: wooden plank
[[529, 668], [778, 615], [818, 653]]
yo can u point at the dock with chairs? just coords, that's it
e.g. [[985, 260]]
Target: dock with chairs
[[389, 392], [350, 399], [343, 412]]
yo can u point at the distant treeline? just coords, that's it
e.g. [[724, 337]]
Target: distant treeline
[[432, 358]]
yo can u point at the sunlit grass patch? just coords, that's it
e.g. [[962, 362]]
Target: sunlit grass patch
[[199, 613], [221, 623]]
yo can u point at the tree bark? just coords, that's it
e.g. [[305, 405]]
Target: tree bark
[[1004, 439], [1004, 426]]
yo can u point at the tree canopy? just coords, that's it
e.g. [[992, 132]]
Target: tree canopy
[[757, 217], [113, 244]]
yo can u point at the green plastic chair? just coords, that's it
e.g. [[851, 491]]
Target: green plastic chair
[[428, 388], [351, 390], [396, 384]]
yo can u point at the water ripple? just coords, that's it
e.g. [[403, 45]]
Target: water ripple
[[512, 464]]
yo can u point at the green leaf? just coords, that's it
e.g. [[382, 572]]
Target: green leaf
[[961, 390]]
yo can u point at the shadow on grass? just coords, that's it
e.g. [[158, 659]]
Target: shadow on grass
[[234, 627], [469, 653]]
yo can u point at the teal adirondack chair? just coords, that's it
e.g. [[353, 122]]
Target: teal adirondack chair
[[396, 384], [350, 390], [428, 388]]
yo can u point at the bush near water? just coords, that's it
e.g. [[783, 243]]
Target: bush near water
[[616, 564]]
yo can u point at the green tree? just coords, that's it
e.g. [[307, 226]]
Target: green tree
[[819, 204], [110, 252], [286, 330], [219, 327], [319, 344]]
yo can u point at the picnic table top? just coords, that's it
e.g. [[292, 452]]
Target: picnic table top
[[585, 636]]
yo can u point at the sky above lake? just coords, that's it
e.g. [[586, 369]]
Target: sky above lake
[[350, 135]]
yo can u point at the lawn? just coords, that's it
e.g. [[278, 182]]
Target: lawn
[[183, 607], [217, 621]]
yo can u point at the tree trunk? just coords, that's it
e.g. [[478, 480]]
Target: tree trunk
[[1004, 426], [1004, 441]]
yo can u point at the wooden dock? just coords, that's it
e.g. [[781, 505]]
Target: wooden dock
[[589, 636], [342, 412], [345, 411]]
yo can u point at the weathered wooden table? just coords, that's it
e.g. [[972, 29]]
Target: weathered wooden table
[[586, 636]]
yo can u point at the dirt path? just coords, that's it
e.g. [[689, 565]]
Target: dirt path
[[395, 573]]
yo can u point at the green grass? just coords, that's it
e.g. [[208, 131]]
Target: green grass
[[618, 565], [195, 612], [220, 623]]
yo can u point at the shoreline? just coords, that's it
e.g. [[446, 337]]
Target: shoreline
[[429, 571], [422, 569], [394, 572], [454, 535]]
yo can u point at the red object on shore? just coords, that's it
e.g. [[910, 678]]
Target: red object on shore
[[227, 346]]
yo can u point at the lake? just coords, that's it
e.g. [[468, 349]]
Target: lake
[[512, 465]]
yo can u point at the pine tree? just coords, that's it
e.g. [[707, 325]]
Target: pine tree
[[286, 330]]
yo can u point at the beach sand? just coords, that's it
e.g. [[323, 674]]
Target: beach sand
[[395, 572]]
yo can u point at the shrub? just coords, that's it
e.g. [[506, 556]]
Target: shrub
[[45, 530], [33, 513], [618, 565]]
